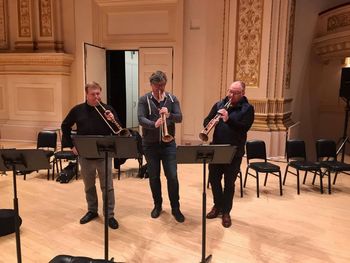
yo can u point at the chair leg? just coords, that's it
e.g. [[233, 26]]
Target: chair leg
[[257, 184], [321, 181], [298, 182], [208, 184], [265, 179], [280, 179], [335, 177], [285, 174], [329, 182], [305, 177], [241, 183], [245, 178], [313, 179]]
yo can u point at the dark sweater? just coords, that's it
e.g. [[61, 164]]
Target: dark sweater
[[148, 114], [87, 120], [234, 131]]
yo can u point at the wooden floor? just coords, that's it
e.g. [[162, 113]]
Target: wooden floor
[[309, 227]]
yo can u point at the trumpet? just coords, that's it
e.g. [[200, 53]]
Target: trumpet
[[166, 137], [203, 135], [120, 131]]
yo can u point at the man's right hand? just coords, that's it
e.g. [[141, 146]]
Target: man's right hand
[[75, 150]]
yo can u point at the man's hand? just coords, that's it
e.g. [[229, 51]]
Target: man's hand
[[224, 114], [75, 150]]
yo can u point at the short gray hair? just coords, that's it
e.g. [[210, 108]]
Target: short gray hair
[[157, 77]]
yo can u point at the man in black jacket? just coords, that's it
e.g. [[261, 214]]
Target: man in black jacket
[[232, 127], [89, 121]]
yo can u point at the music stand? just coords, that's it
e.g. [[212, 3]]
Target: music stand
[[21, 160], [218, 154], [97, 146]]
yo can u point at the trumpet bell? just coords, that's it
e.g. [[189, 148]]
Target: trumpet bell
[[204, 137], [124, 133], [167, 138]]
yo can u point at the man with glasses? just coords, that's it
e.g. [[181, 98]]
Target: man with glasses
[[232, 128]]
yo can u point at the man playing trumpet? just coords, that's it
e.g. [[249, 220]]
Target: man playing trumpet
[[158, 111], [235, 119], [90, 120]]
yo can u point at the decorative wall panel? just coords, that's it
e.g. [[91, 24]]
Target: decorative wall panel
[[3, 25], [24, 18], [45, 18], [249, 33], [287, 73], [2, 97], [338, 21], [33, 99]]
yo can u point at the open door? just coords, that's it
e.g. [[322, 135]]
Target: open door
[[151, 60], [95, 67]]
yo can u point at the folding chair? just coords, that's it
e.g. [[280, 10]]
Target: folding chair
[[326, 153], [256, 149], [296, 158]]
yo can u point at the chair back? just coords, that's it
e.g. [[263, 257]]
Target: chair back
[[295, 149], [326, 149], [47, 139], [256, 149]]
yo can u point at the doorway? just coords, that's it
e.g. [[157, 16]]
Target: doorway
[[122, 85]]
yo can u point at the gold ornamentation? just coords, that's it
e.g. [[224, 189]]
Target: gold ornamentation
[[337, 21], [287, 74], [24, 18], [45, 17], [3, 25], [249, 32]]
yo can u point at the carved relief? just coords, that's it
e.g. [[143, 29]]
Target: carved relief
[[45, 18], [250, 19], [24, 18], [287, 74], [338, 21], [3, 25]]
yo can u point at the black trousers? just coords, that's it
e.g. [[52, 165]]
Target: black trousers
[[223, 197]]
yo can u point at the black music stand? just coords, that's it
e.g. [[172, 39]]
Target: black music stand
[[219, 154], [21, 160], [89, 146]]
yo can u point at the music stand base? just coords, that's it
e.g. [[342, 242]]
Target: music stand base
[[207, 259]]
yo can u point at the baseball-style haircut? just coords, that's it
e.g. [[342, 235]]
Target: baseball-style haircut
[[92, 85], [158, 77]]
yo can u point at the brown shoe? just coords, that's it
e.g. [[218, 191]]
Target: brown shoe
[[226, 220], [213, 213]]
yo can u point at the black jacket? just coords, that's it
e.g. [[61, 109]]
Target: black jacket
[[234, 131], [87, 120]]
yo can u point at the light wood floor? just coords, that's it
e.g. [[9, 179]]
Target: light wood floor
[[309, 227]]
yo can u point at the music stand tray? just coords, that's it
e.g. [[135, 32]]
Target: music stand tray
[[215, 154], [104, 147], [21, 160]]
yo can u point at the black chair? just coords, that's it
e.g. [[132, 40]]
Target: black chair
[[256, 149], [65, 154], [326, 154], [296, 158], [47, 140], [239, 175]]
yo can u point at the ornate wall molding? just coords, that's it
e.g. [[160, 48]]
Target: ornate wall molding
[[272, 114], [3, 25], [248, 43], [333, 33], [45, 18], [35, 63], [24, 18], [287, 73]]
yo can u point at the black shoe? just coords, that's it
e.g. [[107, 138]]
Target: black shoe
[[113, 223], [156, 211], [179, 217], [214, 213], [88, 217]]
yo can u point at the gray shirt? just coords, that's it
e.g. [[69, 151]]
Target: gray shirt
[[148, 114]]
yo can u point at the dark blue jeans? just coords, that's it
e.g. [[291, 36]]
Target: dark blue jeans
[[223, 198], [165, 152]]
